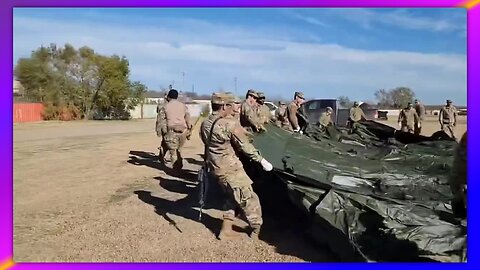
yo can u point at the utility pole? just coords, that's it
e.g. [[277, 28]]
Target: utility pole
[[235, 79], [183, 81]]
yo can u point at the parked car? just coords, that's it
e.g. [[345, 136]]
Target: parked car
[[272, 107]]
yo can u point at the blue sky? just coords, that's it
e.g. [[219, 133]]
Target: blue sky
[[323, 52]]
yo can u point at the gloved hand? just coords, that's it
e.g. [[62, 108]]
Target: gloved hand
[[399, 124], [419, 125], [297, 129], [267, 166]]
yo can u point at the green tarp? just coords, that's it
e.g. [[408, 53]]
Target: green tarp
[[375, 198]]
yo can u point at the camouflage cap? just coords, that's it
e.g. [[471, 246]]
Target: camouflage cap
[[232, 98], [261, 95], [219, 98], [252, 92], [299, 94]]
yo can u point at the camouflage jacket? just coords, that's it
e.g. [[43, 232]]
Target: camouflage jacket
[[408, 117], [356, 114], [448, 115], [264, 114], [228, 138], [325, 120], [249, 116]]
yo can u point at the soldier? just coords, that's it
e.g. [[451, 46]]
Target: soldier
[[178, 126], [227, 141], [326, 118], [420, 109], [292, 109], [408, 119], [281, 119], [161, 129], [248, 113], [217, 102], [448, 119], [263, 111], [458, 179], [356, 114]]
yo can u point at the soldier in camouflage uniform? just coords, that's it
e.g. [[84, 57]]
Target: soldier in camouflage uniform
[[161, 129], [448, 119], [326, 118], [420, 109], [228, 139], [356, 115], [458, 179], [292, 109], [281, 119], [248, 113], [263, 111], [178, 126], [408, 119]]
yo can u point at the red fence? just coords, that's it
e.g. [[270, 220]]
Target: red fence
[[27, 112]]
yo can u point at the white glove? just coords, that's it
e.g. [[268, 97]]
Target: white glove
[[301, 132], [418, 125], [297, 129], [267, 166], [399, 124]]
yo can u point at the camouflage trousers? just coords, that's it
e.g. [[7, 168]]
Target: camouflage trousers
[[174, 141], [449, 129], [243, 197], [417, 130]]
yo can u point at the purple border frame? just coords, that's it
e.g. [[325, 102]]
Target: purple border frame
[[6, 109]]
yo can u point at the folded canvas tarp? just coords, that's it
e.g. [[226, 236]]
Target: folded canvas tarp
[[371, 201]]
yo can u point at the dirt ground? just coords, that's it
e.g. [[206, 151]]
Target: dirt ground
[[93, 191], [430, 125]]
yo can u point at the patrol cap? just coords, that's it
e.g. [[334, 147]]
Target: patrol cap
[[299, 94], [282, 103], [355, 103], [219, 98], [252, 93], [409, 104], [449, 101], [261, 95], [329, 109], [232, 98]]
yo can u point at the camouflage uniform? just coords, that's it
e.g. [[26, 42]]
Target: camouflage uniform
[[356, 114], [281, 119], [325, 120], [263, 112], [409, 119], [161, 129], [292, 110], [248, 115], [420, 109], [178, 124], [458, 178], [227, 138], [448, 119]]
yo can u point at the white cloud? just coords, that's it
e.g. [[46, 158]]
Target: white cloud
[[212, 55]]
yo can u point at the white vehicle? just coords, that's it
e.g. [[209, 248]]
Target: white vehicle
[[272, 107]]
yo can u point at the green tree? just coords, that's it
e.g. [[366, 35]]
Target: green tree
[[84, 82], [396, 98], [345, 101]]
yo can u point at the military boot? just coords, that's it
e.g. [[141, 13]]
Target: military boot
[[227, 233], [255, 232]]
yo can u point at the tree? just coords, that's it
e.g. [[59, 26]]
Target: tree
[[345, 101], [396, 98], [81, 80]]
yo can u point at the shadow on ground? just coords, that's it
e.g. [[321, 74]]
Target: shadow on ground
[[141, 158], [282, 225]]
